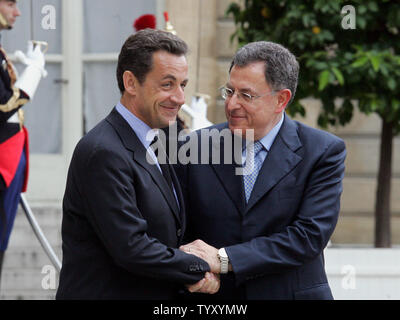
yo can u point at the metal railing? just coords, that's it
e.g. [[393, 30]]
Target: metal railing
[[39, 234]]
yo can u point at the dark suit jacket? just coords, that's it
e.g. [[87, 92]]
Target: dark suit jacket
[[121, 224], [275, 243]]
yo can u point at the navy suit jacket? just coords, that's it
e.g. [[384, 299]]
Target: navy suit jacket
[[121, 224], [275, 242]]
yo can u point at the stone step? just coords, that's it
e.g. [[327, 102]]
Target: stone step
[[49, 220], [29, 257], [24, 236], [27, 295], [28, 273], [44, 221], [44, 216], [25, 279]]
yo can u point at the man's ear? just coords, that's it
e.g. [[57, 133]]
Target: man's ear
[[130, 82], [283, 97]]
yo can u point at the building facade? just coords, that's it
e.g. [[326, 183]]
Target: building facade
[[84, 41]]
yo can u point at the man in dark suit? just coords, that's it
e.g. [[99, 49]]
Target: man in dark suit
[[123, 215], [264, 230]]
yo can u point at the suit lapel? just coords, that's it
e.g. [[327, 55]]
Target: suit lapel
[[139, 156], [281, 159], [132, 143], [232, 183], [226, 173]]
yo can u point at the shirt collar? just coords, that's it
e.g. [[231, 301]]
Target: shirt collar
[[142, 130], [269, 138]]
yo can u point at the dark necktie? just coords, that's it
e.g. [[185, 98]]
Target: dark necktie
[[165, 168]]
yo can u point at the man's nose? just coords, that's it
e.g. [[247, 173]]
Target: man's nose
[[179, 96], [233, 102], [17, 12]]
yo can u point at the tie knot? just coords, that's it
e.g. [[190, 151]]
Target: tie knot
[[258, 146]]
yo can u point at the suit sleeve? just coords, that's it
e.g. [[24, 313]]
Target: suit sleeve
[[308, 234], [108, 188]]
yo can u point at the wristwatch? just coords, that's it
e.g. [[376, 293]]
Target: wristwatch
[[224, 259]]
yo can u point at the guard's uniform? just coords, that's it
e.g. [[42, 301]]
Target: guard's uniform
[[13, 149]]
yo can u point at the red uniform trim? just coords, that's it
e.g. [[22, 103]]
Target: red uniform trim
[[10, 155]]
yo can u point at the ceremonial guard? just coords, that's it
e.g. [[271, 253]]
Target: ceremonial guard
[[14, 93]]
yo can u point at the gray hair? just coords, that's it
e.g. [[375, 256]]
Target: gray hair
[[281, 66]]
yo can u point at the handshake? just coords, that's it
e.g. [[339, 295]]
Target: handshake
[[211, 282]]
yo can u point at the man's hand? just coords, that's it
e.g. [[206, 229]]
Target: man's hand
[[202, 250], [209, 284]]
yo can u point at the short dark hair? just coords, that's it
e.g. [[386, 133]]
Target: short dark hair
[[281, 66], [137, 52]]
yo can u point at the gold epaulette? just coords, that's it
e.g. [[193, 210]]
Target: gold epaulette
[[15, 101]]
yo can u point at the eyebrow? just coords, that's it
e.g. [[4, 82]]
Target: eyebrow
[[170, 76], [242, 89]]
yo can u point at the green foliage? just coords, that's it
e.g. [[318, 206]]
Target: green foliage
[[355, 65]]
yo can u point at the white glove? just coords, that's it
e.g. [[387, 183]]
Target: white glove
[[30, 78], [33, 57]]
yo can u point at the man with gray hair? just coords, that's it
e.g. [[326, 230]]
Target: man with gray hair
[[264, 232]]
